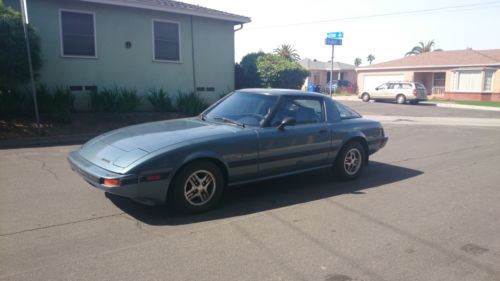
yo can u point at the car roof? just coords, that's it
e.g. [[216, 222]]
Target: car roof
[[278, 92]]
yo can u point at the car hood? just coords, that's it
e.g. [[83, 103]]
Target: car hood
[[120, 148]]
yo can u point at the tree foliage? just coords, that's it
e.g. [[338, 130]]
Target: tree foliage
[[278, 72], [14, 69], [370, 58], [246, 75], [357, 62], [423, 48], [287, 52]]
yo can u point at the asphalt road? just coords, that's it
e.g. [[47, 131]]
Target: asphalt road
[[426, 208]]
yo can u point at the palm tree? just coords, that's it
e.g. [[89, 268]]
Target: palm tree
[[287, 52], [357, 62], [423, 48], [370, 58]]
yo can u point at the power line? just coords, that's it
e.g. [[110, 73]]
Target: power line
[[412, 12]]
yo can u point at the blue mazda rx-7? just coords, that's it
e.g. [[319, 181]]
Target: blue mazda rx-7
[[249, 135]]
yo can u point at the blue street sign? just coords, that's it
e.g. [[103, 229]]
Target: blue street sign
[[331, 41], [335, 35]]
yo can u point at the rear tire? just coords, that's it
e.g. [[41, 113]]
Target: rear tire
[[401, 99], [197, 187], [350, 161], [365, 97]]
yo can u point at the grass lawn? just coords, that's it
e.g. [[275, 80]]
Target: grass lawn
[[479, 103]]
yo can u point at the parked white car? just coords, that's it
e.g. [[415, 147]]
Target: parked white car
[[399, 91]]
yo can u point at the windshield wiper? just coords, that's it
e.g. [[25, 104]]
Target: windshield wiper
[[227, 120]]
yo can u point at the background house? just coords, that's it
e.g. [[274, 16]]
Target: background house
[[141, 44], [320, 72], [459, 75]]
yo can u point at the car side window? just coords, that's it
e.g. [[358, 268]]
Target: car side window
[[303, 110], [382, 87], [346, 112], [407, 86]]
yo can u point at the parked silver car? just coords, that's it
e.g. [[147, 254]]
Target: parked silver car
[[399, 91]]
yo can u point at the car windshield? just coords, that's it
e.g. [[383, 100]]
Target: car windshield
[[243, 108]]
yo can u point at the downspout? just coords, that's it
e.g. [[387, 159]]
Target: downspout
[[192, 55]]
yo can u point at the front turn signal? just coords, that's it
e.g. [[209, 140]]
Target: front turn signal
[[111, 182]]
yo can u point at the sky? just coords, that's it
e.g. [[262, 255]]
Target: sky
[[304, 25]]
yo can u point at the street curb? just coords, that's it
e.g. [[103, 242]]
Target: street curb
[[464, 106], [45, 141]]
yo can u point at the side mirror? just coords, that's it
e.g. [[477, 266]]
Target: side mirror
[[288, 121]]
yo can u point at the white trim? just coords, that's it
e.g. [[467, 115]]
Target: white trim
[[232, 18], [396, 68], [61, 43], [153, 40]]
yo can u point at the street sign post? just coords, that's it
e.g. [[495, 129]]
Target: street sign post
[[333, 38]]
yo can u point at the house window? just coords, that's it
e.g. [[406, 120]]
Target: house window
[[166, 41], [468, 81], [488, 76], [78, 34], [473, 80], [439, 79]]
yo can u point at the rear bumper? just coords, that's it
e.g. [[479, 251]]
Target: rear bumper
[[130, 184]]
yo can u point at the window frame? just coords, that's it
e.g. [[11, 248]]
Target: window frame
[[178, 38], [456, 80], [61, 38]]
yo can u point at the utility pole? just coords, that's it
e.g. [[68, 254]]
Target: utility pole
[[24, 12]]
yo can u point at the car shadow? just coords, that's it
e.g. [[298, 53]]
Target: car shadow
[[422, 103], [271, 194]]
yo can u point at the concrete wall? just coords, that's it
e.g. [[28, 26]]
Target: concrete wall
[[212, 46]]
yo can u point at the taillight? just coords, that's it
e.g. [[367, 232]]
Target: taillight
[[415, 92]]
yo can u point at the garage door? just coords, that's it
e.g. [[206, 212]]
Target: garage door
[[370, 82]]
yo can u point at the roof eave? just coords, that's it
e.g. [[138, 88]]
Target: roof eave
[[231, 18]]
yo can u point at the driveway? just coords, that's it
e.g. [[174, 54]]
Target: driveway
[[426, 208]]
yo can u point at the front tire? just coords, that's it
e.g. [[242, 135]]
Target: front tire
[[401, 99], [197, 187], [350, 161], [365, 97]]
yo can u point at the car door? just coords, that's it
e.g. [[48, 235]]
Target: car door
[[380, 91], [301, 146]]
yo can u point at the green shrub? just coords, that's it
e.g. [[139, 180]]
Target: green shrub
[[277, 72], [44, 99], [127, 100], [190, 103], [62, 105], [14, 102], [115, 99], [160, 100], [104, 100]]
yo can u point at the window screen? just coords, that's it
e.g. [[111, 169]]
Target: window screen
[[166, 41], [78, 34]]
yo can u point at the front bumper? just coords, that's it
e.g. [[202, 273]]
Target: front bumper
[[96, 175], [131, 186]]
